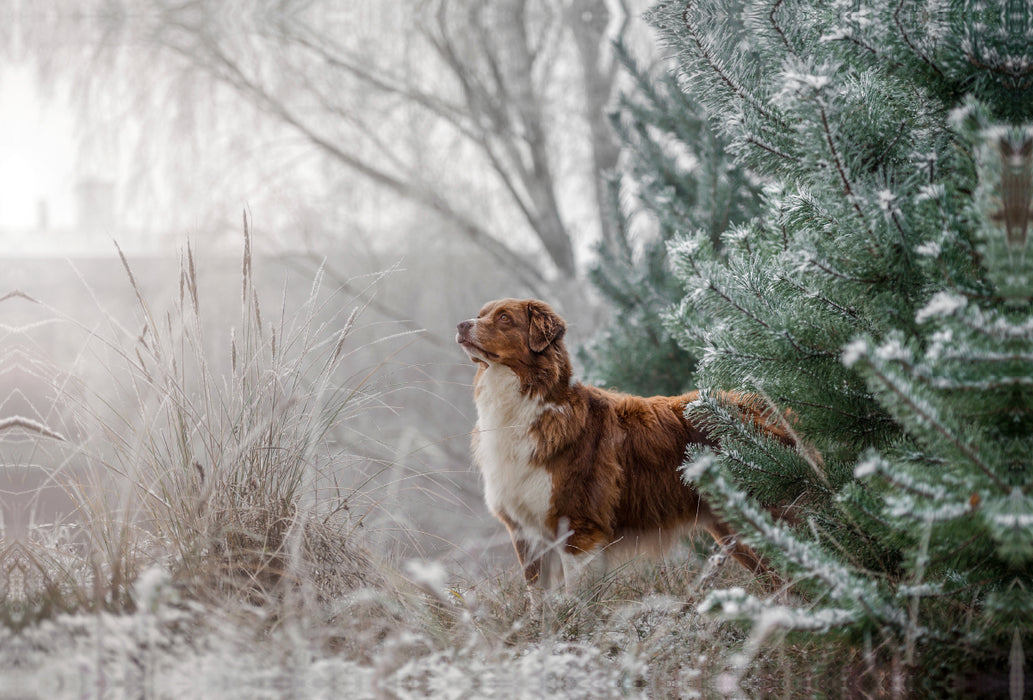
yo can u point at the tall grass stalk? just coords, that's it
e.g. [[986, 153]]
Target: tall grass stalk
[[219, 453]]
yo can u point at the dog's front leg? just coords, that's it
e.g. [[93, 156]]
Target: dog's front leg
[[582, 571], [534, 559], [583, 557]]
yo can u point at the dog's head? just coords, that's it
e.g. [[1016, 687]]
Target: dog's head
[[512, 332]]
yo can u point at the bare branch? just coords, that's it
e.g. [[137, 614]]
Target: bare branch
[[231, 73]]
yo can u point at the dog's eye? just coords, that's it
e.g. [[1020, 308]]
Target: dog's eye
[[503, 317]]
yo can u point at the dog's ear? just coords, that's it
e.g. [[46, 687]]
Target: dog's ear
[[544, 326]]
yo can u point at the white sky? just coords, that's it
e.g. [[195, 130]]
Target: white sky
[[37, 154]]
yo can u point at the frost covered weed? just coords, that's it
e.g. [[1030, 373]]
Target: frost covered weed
[[42, 578], [398, 639], [226, 467], [639, 634]]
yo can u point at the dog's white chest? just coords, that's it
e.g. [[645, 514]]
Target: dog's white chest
[[513, 487]]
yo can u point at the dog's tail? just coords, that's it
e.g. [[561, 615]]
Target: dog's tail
[[764, 415], [779, 424]]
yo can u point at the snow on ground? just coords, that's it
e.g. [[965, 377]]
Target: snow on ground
[[188, 653]]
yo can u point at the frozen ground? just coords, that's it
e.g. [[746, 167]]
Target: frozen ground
[[175, 653], [401, 639]]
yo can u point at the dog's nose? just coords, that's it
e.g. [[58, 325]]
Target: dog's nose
[[464, 327]]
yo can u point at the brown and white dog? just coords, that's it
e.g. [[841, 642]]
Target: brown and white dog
[[575, 469]]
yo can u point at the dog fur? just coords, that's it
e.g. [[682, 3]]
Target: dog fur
[[574, 469]]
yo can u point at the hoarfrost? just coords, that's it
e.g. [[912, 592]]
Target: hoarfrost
[[800, 82], [854, 351], [431, 574], [736, 603], [939, 342], [869, 466], [792, 618], [930, 249], [931, 192], [941, 304], [700, 466], [837, 34], [683, 247], [960, 115], [888, 202], [150, 587], [731, 602], [1013, 520], [175, 654], [30, 425], [920, 590], [893, 350], [905, 506]]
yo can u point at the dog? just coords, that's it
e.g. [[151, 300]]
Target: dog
[[575, 469]]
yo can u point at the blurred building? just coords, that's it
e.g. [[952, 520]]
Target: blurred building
[[85, 223]]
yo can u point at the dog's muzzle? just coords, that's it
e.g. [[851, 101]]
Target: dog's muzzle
[[465, 337]]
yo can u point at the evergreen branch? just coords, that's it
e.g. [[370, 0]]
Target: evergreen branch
[[924, 490], [722, 416], [833, 409], [876, 423], [807, 354], [841, 169], [809, 455], [987, 385], [735, 305], [951, 554], [754, 141], [857, 42], [712, 286], [731, 352], [903, 238], [738, 358], [889, 147], [840, 275], [822, 534], [968, 451], [1000, 329], [736, 457], [844, 311], [711, 61], [912, 627], [910, 44], [778, 29], [842, 583]]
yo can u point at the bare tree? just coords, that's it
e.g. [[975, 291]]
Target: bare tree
[[492, 116], [486, 120]]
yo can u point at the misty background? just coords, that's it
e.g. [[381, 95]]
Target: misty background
[[421, 156]]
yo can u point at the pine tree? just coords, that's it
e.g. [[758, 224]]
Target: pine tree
[[683, 180], [884, 296]]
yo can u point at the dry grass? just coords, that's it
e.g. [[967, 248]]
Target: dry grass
[[206, 474], [214, 457]]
